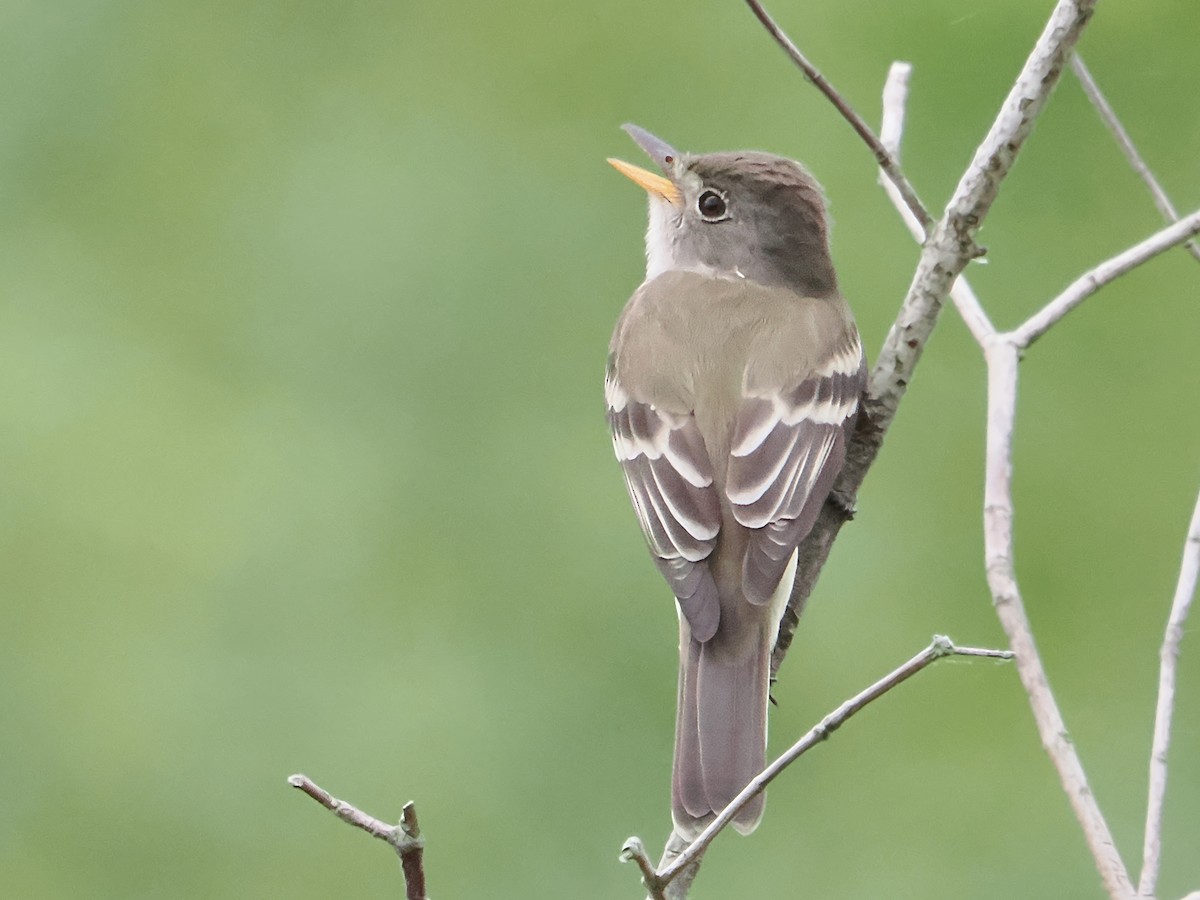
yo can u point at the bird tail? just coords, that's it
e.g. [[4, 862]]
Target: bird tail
[[721, 727]]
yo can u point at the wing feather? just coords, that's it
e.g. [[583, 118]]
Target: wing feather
[[670, 480], [788, 446]]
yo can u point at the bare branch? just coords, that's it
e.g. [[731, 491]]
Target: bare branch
[[952, 243], [343, 810], [404, 838], [1109, 117], [940, 647], [1185, 591], [950, 246], [1090, 282], [1002, 357], [412, 853], [634, 850], [895, 107], [882, 156], [895, 96], [682, 882]]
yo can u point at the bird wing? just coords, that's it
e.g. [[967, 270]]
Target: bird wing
[[789, 443], [670, 480]]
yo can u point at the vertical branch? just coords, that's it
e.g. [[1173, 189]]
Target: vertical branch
[[891, 129], [411, 849], [1185, 591], [947, 250], [1002, 356], [952, 240]]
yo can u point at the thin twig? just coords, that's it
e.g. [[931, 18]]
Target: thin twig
[[634, 850], [940, 647], [1109, 117], [1185, 591], [1049, 720], [1091, 281], [343, 810], [1002, 355], [895, 108], [891, 129], [681, 884], [404, 838], [882, 156], [951, 245]]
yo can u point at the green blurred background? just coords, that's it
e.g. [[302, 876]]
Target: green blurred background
[[303, 315]]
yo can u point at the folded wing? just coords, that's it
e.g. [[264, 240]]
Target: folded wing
[[788, 446], [669, 477]]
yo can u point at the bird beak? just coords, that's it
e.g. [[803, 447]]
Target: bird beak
[[659, 151]]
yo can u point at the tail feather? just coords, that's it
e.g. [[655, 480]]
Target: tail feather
[[688, 798], [721, 728]]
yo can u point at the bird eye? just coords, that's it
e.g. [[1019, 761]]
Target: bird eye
[[711, 205]]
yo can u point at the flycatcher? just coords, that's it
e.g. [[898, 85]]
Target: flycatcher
[[732, 386]]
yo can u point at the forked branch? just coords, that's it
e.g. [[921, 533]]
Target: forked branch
[[404, 838], [1002, 353], [948, 249]]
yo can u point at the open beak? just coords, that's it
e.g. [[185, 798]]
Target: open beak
[[663, 154]]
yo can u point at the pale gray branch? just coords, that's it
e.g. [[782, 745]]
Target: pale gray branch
[[1109, 117], [1002, 356], [682, 882], [1002, 353], [1090, 282], [633, 850], [891, 129], [1185, 591], [689, 857], [895, 107], [950, 247], [952, 242]]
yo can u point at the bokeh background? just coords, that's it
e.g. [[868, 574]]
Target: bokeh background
[[303, 315]]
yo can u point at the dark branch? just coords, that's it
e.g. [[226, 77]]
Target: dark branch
[[882, 156], [404, 838]]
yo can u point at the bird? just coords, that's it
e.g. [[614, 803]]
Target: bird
[[732, 386]]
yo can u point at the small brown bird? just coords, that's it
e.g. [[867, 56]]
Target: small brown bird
[[733, 383]]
